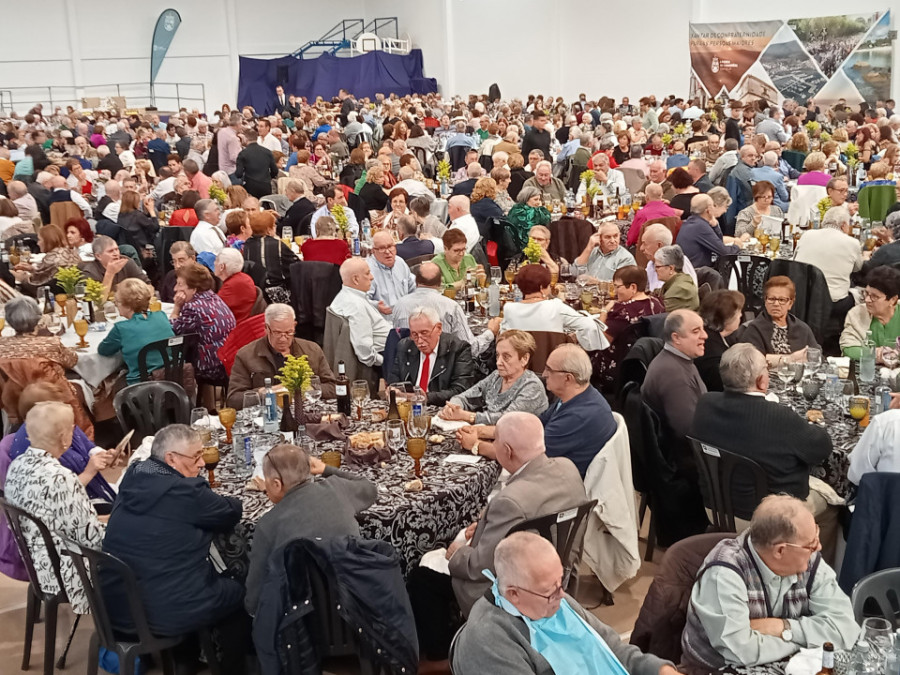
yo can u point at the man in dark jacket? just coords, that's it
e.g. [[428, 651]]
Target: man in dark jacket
[[300, 209], [700, 236], [411, 246], [439, 363], [256, 165], [537, 138], [161, 526], [304, 508]]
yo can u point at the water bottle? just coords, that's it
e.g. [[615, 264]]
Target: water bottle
[[517, 295], [882, 398], [366, 230], [493, 299], [271, 409], [892, 658], [832, 387], [860, 174], [356, 246], [242, 445], [419, 400], [861, 660], [867, 360]]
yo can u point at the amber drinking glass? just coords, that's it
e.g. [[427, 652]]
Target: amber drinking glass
[[227, 417], [81, 329], [415, 447]]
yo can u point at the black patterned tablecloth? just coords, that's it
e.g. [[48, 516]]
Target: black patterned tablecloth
[[412, 522]]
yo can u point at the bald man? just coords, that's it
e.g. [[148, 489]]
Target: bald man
[[368, 327], [538, 485], [60, 192], [654, 208]]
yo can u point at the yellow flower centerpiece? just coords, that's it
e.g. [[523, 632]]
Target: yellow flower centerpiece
[[340, 218], [823, 205], [295, 376], [533, 251], [68, 278], [217, 193], [443, 170]]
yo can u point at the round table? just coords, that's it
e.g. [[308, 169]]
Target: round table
[[412, 522]]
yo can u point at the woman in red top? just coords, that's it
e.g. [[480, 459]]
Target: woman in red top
[[325, 247], [186, 216]]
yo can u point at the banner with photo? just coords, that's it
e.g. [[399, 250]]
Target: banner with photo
[[825, 58]]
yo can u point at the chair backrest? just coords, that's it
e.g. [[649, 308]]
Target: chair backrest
[[390, 346], [717, 469], [457, 157], [563, 529], [672, 223], [499, 233], [881, 589], [813, 300], [338, 347], [260, 304], [16, 517], [751, 273], [277, 203], [546, 341], [707, 275], [256, 272], [172, 352], [314, 285], [794, 158], [418, 260], [62, 212], [92, 567], [804, 199], [875, 200], [29, 239], [147, 407], [634, 179], [633, 367], [654, 325]]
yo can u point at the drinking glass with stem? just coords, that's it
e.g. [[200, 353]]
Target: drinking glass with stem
[[81, 329], [359, 392], [251, 406], [80, 290], [416, 443], [859, 408], [54, 324], [496, 274], [110, 311], [228, 416], [395, 435], [314, 393]]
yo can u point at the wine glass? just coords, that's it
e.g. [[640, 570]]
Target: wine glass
[[250, 406], [359, 392], [774, 244], [481, 299], [415, 447], [510, 275], [395, 436], [314, 393], [211, 460], [199, 417], [785, 372], [418, 425], [80, 290], [110, 311], [877, 632], [496, 274], [228, 416], [81, 329], [54, 324], [587, 298], [811, 388], [859, 409]]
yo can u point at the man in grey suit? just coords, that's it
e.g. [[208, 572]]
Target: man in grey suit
[[304, 507], [538, 486]]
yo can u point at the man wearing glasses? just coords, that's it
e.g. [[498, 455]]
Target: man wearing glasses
[[391, 278], [763, 595], [526, 623]]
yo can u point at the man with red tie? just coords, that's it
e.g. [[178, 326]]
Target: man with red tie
[[438, 362]]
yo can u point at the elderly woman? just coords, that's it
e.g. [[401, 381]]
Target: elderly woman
[[751, 217], [511, 387], [79, 237], [483, 205], [221, 180], [23, 315], [306, 172], [527, 213], [267, 250], [199, 310], [373, 192], [57, 254], [78, 179], [877, 175], [503, 178], [140, 328], [399, 199], [454, 261], [814, 170], [551, 261], [539, 312], [237, 228], [878, 315], [721, 311], [678, 290], [186, 215], [140, 227], [776, 332], [326, 247]]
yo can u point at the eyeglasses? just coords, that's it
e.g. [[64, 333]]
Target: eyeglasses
[[555, 370], [382, 249], [422, 334], [280, 333], [195, 459], [557, 593], [778, 301], [812, 548], [874, 297]]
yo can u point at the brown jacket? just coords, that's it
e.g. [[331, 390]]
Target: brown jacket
[[256, 361]]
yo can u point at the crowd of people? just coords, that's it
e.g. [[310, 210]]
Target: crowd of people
[[350, 176]]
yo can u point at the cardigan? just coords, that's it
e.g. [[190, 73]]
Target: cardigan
[[759, 333], [132, 335], [578, 428], [859, 321], [526, 394]]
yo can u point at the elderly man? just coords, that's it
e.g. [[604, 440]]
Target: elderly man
[[764, 595], [834, 251], [453, 321], [255, 164], [509, 144], [837, 192], [788, 448], [207, 237], [541, 236], [263, 358], [38, 483], [673, 386], [603, 255], [334, 196], [182, 253], [411, 246], [108, 265], [414, 187], [61, 192], [200, 182], [700, 235], [740, 181], [24, 201], [299, 210], [769, 172], [658, 175], [526, 623], [437, 362], [577, 427], [310, 500], [391, 278], [772, 127], [368, 328], [656, 236], [238, 290], [458, 209], [544, 180], [724, 163], [697, 170], [473, 173], [610, 181], [538, 485], [162, 526], [679, 290], [655, 207]]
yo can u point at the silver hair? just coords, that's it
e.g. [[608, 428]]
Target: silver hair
[[770, 158], [279, 310], [172, 438], [740, 367], [576, 362], [527, 193], [659, 233], [232, 259], [773, 520], [674, 323], [202, 206], [543, 162], [670, 255], [223, 178], [512, 554], [836, 217], [720, 195], [425, 312], [101, 243], [23, 314]]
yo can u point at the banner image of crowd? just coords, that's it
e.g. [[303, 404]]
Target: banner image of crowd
[[824, 59]]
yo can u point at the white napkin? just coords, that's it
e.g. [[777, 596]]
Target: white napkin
[[887, 373], [839, 361], [828, 494], [436, 560], [448, 426], [462, 459], [805, 662]]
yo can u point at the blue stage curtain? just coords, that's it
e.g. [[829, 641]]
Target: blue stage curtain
[[365, 75]]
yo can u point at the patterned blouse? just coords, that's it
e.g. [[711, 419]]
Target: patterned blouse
[[526, 394], [780, 342], [39, 484], [38, 346], [45, 270], [208, 316]]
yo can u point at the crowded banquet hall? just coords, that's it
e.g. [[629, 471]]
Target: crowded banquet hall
[[669, 320]]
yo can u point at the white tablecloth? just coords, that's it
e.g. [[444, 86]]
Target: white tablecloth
[[93, 367]]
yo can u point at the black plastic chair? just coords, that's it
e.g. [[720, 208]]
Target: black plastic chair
[[563, 529], [49, 602], [172, 351], [717, 469], [147, 407], [751, 272], [881, 590], [453, 644], [643, 437], [635, 364], [126, 644]]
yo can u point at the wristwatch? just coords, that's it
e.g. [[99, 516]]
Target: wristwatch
[[475, 447], [787, 634]]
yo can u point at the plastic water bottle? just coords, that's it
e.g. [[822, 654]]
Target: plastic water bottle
[[867, 360], [356, 246], [493, 299], [861, 660], [419, 401], [517, 295], [271, 410], [366, 230], [892, 658], [242, 446]]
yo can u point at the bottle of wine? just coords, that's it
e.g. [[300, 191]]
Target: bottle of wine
[[342, 390], [827, 659], [87, 309], [289, 425], [854, 380], [393, 411], [48, 301]]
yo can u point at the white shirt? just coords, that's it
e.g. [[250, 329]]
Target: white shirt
[[467, 224], [112, 211], [615, 180], [833, 252], [415, 188], [556, 316], [207, 237], [163, 187], [368, 328], [879, 447], [352, 225], [269, 141]]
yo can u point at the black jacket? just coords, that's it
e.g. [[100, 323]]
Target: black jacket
[[517, 178], [111, 162], [708, 364], [295, 215], [411, 247], [874, 541], [350, 174], [485, 209], [369, 595], [256, 165], [161, 526], [140, 229], [273, 255], [465, 187], [759, 333], [535, 139], [452, 373]]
